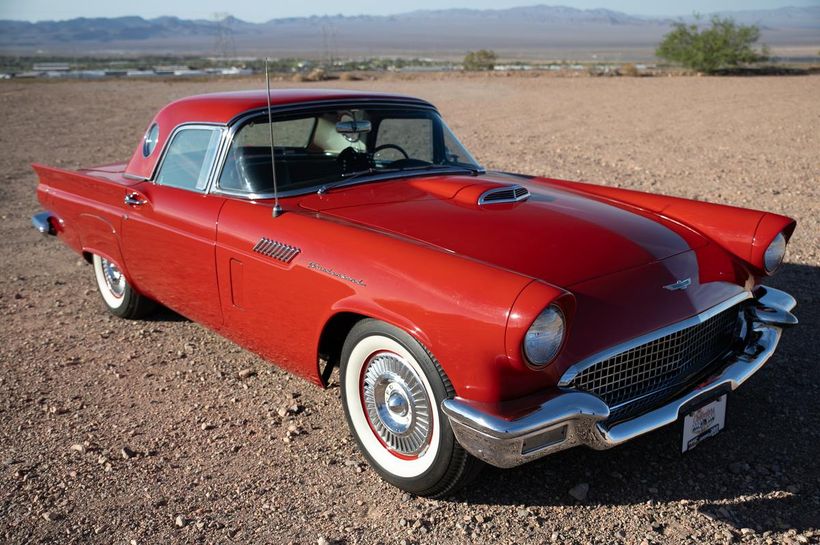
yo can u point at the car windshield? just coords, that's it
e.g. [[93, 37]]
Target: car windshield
[[333, 146]]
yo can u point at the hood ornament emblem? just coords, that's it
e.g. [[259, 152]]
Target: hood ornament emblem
[[679, 285]]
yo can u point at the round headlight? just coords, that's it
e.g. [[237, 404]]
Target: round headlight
[[543, 338], [774, 253]]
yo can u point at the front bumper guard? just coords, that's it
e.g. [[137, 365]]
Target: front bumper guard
[[573, 418]]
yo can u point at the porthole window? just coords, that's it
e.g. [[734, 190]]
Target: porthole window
[[149, 141]]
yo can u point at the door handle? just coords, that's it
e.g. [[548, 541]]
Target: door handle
[[135, 199]]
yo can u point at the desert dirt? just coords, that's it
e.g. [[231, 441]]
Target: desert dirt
[[159, 431]]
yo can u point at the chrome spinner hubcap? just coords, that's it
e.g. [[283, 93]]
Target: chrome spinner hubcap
[[396, 404], [113, 278]]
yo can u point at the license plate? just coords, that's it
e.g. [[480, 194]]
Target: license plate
[[703, 422]]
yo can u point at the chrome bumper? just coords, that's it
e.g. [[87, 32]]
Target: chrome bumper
[[574, 418], [41, 221]]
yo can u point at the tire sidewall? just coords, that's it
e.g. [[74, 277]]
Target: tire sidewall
[[119, 306], [442, 433]]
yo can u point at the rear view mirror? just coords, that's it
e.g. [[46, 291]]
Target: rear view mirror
[[352, 129]]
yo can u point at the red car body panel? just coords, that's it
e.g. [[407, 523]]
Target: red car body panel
[[467, 281]]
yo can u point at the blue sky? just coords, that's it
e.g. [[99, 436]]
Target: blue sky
[[263, 10]]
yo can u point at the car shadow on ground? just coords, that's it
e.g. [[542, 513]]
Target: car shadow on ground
[[761, 472], [165, 314]]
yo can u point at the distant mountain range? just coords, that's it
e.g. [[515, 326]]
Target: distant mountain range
[[523, 31]]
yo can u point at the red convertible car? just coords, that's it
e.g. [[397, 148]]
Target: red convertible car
[[475, 317]]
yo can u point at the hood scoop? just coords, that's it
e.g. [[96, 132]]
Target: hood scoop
[[506, 194]]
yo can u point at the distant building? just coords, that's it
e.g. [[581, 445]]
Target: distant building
[[51, 67], [169, 70]]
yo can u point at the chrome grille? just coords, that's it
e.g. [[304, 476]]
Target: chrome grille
[[513, 193], [640, 377], [276, 250]]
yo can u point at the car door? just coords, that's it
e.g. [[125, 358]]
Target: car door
[[169, 227]]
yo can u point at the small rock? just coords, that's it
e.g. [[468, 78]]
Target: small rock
[[246, 373], [52, 516], [579, 491], [180, 521], [78, 447], [747, 531], [322, 541], [207, 426], [127, 453]]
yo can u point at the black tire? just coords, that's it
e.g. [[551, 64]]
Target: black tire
[[119, 297], [391, 386]]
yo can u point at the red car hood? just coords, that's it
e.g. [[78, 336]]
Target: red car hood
[[556, 235]]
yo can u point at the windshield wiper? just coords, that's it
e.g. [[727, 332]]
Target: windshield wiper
[[364, 175]]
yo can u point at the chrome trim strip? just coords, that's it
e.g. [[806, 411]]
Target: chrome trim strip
[[573, 418], [572, 372], [482, 199], [41, 222]]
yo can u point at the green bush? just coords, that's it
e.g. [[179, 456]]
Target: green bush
[[483, 59], [724, 44]]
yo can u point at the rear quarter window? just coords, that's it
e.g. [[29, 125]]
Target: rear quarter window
[[188, 160]]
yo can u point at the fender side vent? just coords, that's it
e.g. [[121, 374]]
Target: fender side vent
[[276, 250], [497, 195]]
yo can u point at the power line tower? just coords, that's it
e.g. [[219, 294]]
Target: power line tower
[[329, 44], [224, 44]]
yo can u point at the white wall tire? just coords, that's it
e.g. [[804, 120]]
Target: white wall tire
[[117, 294], [110, 282], [414, 464], [392, 390]]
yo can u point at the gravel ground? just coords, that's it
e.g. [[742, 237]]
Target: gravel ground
[[160, 431]]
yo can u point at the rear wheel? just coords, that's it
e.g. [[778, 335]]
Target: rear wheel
[[392, 389], [117, 294]]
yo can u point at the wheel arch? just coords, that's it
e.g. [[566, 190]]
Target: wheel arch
[[339, 324]]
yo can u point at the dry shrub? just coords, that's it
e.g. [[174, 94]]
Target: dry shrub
[[299, 78], [629, 70], [317, 74]]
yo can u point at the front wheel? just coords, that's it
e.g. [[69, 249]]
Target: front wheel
[[392, 389], [119, 297]]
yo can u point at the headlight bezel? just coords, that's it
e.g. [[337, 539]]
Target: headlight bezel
[[774, 253], [531, 360]]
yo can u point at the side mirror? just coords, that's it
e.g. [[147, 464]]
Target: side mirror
[[353, 129]]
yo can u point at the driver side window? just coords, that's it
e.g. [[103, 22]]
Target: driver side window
[[413, 135]]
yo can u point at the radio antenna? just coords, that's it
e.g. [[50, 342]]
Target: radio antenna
[[277, 210]]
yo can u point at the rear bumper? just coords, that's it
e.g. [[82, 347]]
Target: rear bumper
[[573, 418], [42, 222]]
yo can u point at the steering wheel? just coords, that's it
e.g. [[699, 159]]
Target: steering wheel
[[396, 147]]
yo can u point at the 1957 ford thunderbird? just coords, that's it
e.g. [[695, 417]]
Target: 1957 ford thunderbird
[[475, 317]]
